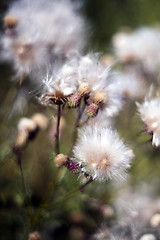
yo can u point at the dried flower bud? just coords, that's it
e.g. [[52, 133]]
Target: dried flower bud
[[40, 120], [155, 220], [34, 236], [61, 159], [100, 97], [148, 237], [25, 127], [83, 89], [10, 21], [92, 110], [74, 100], [22, 138], [73, 166]]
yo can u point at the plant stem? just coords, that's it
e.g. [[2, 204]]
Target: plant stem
[[19, 162], [79, 116], [57, 129], [22, 177], [81, 189], [18, 152]]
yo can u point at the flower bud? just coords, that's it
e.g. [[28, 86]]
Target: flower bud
[[22, 138], [25, 127], [74, 100], [73, 166], [100, 97], [83, 89], [61, 159], [34, 236], [10, 21], [40, 120], [92, 110]]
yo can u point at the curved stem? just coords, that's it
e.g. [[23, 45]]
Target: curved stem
[[81, 189]]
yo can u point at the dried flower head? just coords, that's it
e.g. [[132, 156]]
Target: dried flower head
[[102, 153], [93, 78], [59, 84]]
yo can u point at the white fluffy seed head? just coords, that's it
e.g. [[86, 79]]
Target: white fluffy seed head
[[102, 153], [130, 84], [92, 72], [140, 45], [60, 81], [52, 28], [150, 115], [96, 76]]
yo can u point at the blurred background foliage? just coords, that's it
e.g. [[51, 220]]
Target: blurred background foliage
[[77, 216], [108, 17]]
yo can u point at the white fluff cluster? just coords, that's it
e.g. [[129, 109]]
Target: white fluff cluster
[[79, 70], [60, 81], [130, 84], [141, 45], [138, 205], [150, 115], [102, 153], [45, 30], [92, 72]]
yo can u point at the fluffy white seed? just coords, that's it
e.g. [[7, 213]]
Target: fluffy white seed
[[102, 153]]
